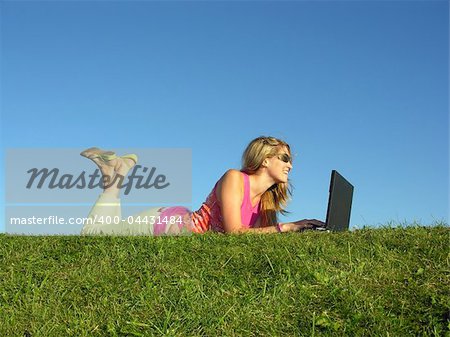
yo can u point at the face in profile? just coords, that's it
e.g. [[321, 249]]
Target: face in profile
[[280, 165]]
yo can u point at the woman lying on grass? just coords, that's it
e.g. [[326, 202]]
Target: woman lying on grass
[[241, 201]]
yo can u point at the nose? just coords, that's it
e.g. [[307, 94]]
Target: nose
[[290, 165]]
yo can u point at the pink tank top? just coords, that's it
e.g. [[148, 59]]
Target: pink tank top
[[209, 216]]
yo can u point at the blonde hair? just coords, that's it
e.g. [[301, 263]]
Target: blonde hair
[[275, 199]]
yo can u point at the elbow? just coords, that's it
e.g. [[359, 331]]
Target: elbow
[[236, 230]]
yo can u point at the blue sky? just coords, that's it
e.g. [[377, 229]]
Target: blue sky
[[357, 86]]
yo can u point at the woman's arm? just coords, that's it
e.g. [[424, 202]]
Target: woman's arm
[[296, 226], [301, 225], [230, 193]]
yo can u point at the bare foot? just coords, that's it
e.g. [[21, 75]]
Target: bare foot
[[123, 165], [95, 152], [114, 169], [107, 168], [111, 168]]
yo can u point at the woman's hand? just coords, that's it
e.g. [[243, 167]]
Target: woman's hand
[[301, 225]]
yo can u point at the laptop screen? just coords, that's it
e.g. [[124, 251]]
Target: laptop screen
[[339, 203]]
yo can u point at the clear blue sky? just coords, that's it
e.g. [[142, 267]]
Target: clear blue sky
[[357, 86]]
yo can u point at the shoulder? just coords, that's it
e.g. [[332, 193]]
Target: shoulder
[[232, 177], [232, 174], [232, 180]]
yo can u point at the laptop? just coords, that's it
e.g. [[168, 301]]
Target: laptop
[[339, 204]]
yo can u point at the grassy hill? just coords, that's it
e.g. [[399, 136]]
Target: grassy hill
[[371, 282]]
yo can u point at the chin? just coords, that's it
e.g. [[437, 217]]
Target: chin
[[282, 180]]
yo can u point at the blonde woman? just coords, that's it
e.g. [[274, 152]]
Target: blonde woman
[[241, 201]]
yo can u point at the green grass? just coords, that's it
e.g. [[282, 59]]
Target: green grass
[[369, 282]]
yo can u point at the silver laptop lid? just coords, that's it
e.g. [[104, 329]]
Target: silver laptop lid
[[339, 203]]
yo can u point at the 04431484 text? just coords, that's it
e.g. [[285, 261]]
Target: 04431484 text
[[150, 220]]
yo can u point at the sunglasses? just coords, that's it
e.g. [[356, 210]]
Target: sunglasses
[[285, 158]]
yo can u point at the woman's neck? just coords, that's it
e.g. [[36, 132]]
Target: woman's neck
[[259, 183]]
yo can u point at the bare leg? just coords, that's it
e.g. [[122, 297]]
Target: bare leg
[[105, 216], [114, 170]]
